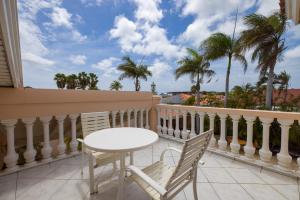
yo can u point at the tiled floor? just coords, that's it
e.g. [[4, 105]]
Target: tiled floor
[[219, 179]]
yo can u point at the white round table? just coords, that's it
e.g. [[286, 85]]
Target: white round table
[[120, 140]]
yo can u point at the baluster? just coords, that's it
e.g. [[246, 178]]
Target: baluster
[[177, 131], [147, 119], [113, 116], [142, 118], [234, 145], [165, 129], [170, 128], [192, 133], [222, 142], [249, 148], [158, 121], [184, 132], [74, 143], [201, 116], [284, 158], [129, 117], [30, 152], [11, 157], [47, 149], [298, 161], [61, 143], [135, 117], [122, 118], [265, 153], [213, 140]]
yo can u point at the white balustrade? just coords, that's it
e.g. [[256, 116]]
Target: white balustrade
[[265, 153], [122, 118], [113, 116], [192, 133], [11, 157], [177, 131], [47, 149], [142, 118], [159, 129], [222, 142], [170, 126], [234, 145], [61, 143], [164, 128], [30, 152], [147, 119], [213, 140], [201, 117], [135, 117], [74, 142], [184, 132], [249, 148]]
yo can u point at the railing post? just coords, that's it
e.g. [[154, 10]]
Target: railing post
[[122, 118], [284, 159], [154, 114], [47, 149], [129, 117], [30, 152], [177, 131], [265, 153], [213, 140], [249, 148], [164, 128], [135, 117], [170, 128], [222, 142], [192, 133], [234, 145], [74, 143], [142, 118], [158, 110], [11, 157], [201, 116], [147, 119], [184, 132], [113, 116], [61, 143]]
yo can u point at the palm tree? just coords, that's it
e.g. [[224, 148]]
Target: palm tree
[[265, 36], [72, 81], [60, 80], [93, 81], [83, 80], [220, 45], [153, 88], [134, 71], [284, 82], [116, 85], [197, 67]]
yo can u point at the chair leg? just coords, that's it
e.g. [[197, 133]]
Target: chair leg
[[81, 163], [195, 185], [91, 172]]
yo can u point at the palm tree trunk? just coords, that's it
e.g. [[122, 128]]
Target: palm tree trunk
[[227, 81], [269, 92], [198, 91], [136, 84]]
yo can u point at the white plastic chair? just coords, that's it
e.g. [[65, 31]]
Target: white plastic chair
[[162, 181]]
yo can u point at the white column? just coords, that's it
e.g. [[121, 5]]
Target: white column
[[30, 152], [164, 128], [11, 157], [284, 158], [234, 145], [129, 117], [113, 116], [213, 140], [177, 131], [170, 125], [122, 118], [222, 142], [265, 153], [147, 119], [142, 118], [47, 149], [249, 148], [201, 116], [184, 132], [192, 133], [135, 117], [74, 143], [158, 120], [298, 161], [61, 143]]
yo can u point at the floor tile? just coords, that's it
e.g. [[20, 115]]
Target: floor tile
[[262, 192], [204, 190], [244, 175], [217, 175], [36, 172], [275, 178], [231, 191], [201, 177], [291, 192], [7, 190]]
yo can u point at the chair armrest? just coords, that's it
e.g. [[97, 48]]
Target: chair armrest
[[169, 149], [161, 190], [80, 140]]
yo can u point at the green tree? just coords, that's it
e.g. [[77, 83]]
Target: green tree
[[197, 67], [116, 85], [153, 88], [93, 81], [72, 81], [242, 97], [134, 71], [284, 82], [266, 36], [220, 45], [60, 80], [83, 80]]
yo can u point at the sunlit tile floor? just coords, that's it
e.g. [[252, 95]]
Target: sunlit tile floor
[[219, 179]]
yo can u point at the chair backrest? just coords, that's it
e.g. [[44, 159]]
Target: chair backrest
[[94, 121], [192, 151]]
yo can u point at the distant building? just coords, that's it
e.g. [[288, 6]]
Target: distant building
[[175, 99]]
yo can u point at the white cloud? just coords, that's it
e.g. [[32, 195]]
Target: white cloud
[[107, 66], [78, 59], [92, 2], [77, 36], [61, 17], [38, 60], [158, 68], [148, 10], [267, 7], [293, 53]]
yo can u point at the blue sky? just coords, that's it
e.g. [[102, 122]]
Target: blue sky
[[70, 36]]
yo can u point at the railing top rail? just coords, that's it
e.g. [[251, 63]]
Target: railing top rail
[[234, 111]]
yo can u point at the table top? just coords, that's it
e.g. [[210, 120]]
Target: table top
[[123, 139]]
